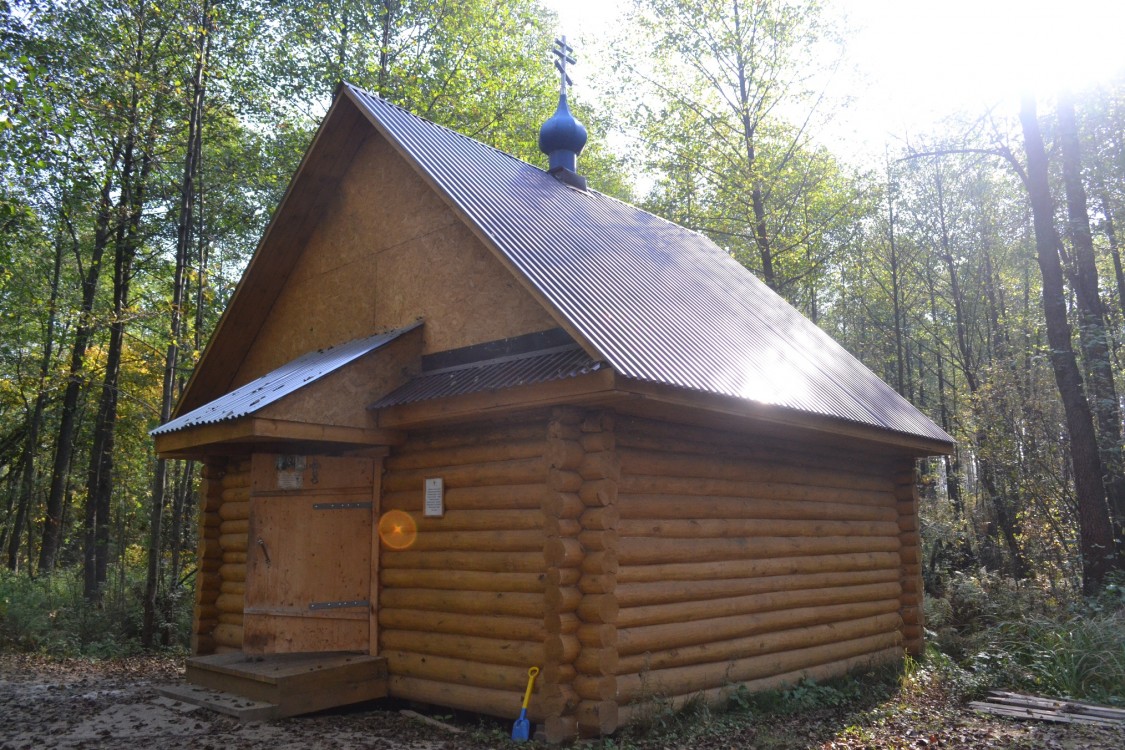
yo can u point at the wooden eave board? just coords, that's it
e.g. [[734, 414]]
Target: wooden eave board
[[194, 442], [328, 158]]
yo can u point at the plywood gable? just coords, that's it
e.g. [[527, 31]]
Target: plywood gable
[[386, 252]]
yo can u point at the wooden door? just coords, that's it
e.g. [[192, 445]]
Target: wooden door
[[309, 557]]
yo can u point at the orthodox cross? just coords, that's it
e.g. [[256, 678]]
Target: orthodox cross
[[563, 51]]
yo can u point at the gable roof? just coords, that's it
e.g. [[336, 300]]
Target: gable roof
[[279, 383], [658, 302]]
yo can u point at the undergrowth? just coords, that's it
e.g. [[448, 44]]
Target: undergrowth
[[49, 615]]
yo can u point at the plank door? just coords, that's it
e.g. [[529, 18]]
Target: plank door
[[308, 562]]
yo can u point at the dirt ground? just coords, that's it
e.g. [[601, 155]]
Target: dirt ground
[[114, 704]]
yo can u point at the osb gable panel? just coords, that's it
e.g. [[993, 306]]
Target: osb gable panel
[[339, 399], [388, 251]]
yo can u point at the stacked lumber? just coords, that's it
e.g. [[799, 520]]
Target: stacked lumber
[[208, 582], [233, 538], [910, 550], [750, 562], [461, 614]]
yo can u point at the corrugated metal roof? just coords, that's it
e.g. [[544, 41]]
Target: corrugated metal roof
[[281, 382], [496, 374], [659, 302]]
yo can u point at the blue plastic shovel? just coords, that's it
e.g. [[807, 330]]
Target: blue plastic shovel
[[521, 730]]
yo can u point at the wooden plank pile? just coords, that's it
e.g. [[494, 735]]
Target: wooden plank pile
[[1047, 709]]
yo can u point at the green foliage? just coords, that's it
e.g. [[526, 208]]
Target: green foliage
[[49, 615]]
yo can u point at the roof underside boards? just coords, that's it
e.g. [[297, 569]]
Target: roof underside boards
[[283, 381], [543, 366], [659, 302]]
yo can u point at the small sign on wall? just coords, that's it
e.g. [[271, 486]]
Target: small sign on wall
[[435, 498]]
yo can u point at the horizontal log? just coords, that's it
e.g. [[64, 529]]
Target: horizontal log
[[645, 484], [231, 603], [563, 576], [597, 661], [415, 457], [231, 556], [236, 495], [562, 599], [557, 622], [464, 602], [563, 552], [597, 635], [680, 465], [760, 643], [507, 497], [485, 626], [600, 518], [563, 430], [598, 584], [209, 548], [233, 587], [458, 671], [498, 650], [645, 711], [234, 542], [562, 504], [908, 523], [463, 580], [653, 550], [230, 618], [564, 454], [562, 649], [599, 492], [229, 636], [650, 435], [639, 640], [600, 562], [560, 480], [593, 442], [516, 471], [233, 572], [235, 478], [598, 540], [494, 432], [598, 608], [670, 591], [597, 718], [553, 672], [560, 729], [462, 697], [754, 505], [234, 526], [740, 527], [553, 526], [595, 687], [680, 680], [495, 540], [480, 520], [600, 465], [229, 511], [500, 562], [911, 555], [633, 617]]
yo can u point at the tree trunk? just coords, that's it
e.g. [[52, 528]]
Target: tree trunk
[[1095, 529], [64, 444], [171, 358], [1092, 332]]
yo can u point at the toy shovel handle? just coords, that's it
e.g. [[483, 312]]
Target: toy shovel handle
[[531, 673]]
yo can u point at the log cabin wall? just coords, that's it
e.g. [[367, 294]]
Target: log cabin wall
[[461, 611], [910, 538], [233, 523], [208, 581], [753, 562]]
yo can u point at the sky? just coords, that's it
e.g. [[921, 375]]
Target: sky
[[910, 63]]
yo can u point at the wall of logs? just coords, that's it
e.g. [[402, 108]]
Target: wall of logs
[[228, 527], [753, 562], [462, 610]]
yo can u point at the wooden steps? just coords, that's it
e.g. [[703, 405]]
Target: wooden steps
[[273, 686]]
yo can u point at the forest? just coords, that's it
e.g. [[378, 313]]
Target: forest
[[976, 268]]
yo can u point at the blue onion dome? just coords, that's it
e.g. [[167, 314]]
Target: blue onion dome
[[562, 138]]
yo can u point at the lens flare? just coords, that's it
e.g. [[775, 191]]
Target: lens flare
[[397, 529]]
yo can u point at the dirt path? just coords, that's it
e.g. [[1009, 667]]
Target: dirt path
[[114, 704]]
